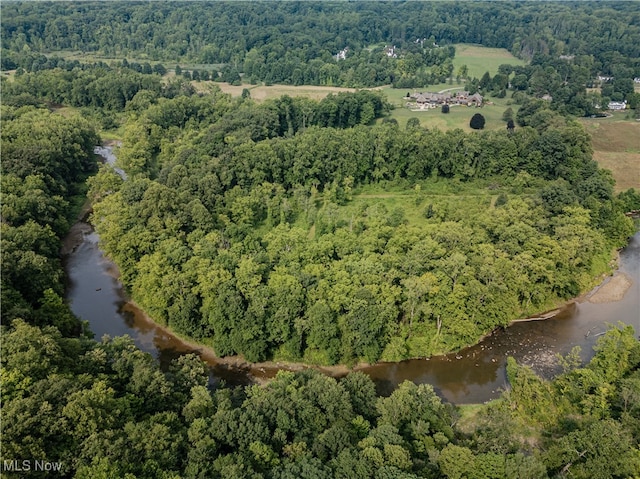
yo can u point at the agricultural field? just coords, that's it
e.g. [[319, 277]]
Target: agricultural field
[[478, 59], [616, 147], [482, 59], [263, 92]]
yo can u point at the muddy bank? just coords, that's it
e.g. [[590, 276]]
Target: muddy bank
[[260, 370], [612, 289], [74, 238]]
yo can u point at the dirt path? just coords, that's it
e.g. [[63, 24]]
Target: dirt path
[[451, 89]]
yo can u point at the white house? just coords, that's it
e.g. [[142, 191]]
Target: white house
[[616, 105], [390, 51]]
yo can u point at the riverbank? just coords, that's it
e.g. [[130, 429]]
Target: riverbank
[[472, 375], [488, 353], [610, 290], [263, 371]]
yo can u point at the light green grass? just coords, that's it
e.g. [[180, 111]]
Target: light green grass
[[413, 200], [138, 58], [482, 59], [112, 135], [468, 417]]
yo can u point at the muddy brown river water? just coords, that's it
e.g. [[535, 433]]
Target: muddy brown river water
[[475, 374]]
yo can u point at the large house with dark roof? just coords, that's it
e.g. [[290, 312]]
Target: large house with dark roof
[[426, 100]]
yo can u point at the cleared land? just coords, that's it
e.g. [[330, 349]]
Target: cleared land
[[616, 145], [482, 59], [262, 92]]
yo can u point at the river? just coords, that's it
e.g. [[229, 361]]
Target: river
[[476, 374]]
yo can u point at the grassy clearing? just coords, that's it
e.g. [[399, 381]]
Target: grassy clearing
[[263, 92], [112, 135], [416, 205], [482, 59], [468, 421], [9, 75], [115, 134], [93, 57], [411, 202], [625, 168], [616, 145], [458, 116], [66, 111], [615, 134]]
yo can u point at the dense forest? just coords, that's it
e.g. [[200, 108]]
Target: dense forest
[[105, 410], [315, 231], [300, 43], [280, 37]]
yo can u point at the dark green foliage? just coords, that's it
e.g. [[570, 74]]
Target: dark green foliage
[[508, 115], [280, 43], [630, 200], [413, 122], [99, 87], [510, 125], [239, 224], [44, 158], [477, 121], [501, 200]]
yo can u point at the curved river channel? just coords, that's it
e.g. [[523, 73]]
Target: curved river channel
[[475, 374]]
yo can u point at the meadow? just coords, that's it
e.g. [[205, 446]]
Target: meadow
[[482, 59], [264, 92], [616, 147]]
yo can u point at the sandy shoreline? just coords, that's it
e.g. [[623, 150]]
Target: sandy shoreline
[[611, 290]]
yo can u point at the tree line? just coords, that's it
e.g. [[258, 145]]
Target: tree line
[[45, 160], [298, 43]]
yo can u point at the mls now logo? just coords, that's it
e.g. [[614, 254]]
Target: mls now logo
[[17, 465]]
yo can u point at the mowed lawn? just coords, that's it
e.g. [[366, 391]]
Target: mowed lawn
[[458, 116], [616, 147], [482, 59], [478, 60]]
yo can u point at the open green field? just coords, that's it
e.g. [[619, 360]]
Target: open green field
[[482, 59], [616, 147], [458, 116], [411, 202]]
